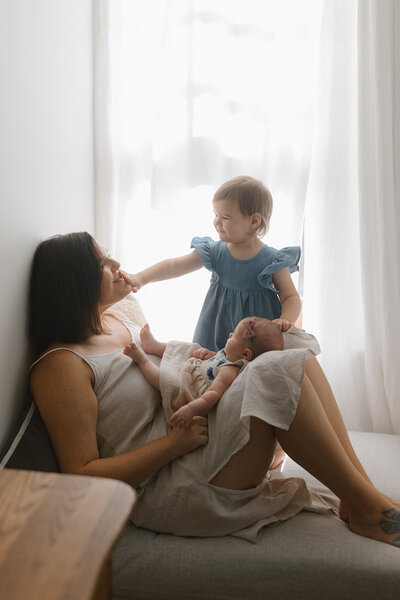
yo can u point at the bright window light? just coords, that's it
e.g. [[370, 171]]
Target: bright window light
[[204, 91]]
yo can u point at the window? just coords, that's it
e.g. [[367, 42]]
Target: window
[[202, 91]]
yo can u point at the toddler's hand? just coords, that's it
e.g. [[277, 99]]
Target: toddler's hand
[[132, 280], [182, 417], [203, 353], [283, 324]]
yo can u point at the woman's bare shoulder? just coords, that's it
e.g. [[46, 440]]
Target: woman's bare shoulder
[[58, 365]]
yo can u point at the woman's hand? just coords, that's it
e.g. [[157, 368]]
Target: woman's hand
[[133, 280], [203, 353], [192, 436]]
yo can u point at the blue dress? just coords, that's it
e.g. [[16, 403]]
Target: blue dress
[[238, 288]]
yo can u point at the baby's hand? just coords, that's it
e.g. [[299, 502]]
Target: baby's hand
[[203, 353], [283, 324], [182, 417], [132, 280]]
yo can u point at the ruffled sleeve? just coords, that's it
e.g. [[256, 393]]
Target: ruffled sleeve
[[286, 257], [204, 246]]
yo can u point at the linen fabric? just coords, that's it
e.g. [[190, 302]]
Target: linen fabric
[[195, 376], [238, 288]]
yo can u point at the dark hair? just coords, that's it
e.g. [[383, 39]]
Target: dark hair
[[64, 290]]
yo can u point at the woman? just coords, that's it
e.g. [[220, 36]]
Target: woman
[[104, 419]]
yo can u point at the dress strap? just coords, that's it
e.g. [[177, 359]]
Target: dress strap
[[55, 350]]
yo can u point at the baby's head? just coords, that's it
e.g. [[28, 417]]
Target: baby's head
[[252, 198], [253, 336]]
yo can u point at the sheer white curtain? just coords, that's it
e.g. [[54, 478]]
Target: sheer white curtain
[[352, 217], [188, 94]]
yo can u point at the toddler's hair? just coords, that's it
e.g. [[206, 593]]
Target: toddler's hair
[[267, 336], [252, 197]]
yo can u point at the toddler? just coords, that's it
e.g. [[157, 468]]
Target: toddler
[[207, 374], [248, 277]]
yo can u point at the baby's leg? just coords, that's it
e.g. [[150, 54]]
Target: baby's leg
[[148, 368], [149, 343]]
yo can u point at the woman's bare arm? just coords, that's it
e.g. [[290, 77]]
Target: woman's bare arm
[[62, 388]]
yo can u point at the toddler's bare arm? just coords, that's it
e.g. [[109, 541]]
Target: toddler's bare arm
[[167, 269]]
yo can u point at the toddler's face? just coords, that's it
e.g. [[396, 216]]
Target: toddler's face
[[231, 225]]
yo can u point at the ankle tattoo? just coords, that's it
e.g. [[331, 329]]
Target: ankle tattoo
[[391, 526]]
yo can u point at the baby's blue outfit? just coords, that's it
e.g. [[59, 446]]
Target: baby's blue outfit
[[238, 288], [213, 364]]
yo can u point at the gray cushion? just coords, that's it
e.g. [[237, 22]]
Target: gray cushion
[[29, 446], [309, 556]]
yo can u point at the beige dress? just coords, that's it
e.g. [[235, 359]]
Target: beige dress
[[179, 499]]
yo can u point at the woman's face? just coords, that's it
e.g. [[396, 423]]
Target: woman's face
[[113, 286]]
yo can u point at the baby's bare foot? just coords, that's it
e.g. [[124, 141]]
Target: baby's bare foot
[[149, 342], [278, 459], [135, 353]]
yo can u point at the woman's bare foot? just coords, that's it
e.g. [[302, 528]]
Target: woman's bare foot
[[135, 353], [278, 459], [383, 526], [149, 342], [394, 503]]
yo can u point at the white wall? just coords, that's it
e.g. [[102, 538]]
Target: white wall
[[46, 156]]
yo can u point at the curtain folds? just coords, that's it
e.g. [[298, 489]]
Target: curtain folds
[[169, 118], [379, 193], [105, 117], [352, 216], [187, 95]]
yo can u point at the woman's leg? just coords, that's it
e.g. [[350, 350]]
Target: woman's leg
[[370, 513], [247, 468], [321, 385], [313, 443]]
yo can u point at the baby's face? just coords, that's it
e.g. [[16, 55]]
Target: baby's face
[[236, 345]]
